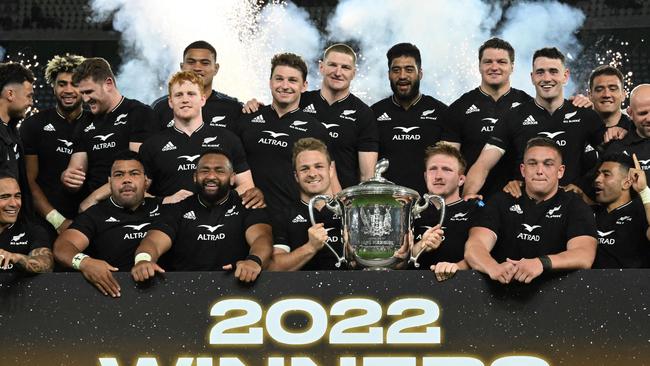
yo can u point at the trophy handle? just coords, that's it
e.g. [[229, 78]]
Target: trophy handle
[[417, 209], [380, 168], [333, 206]]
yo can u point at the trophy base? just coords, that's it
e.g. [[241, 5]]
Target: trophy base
[[377, 264]]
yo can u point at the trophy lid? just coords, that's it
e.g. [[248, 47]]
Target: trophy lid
[[378, 185]]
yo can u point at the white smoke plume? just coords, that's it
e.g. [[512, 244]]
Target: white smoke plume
[[246, 35], [448, 34], [154, 34], [530, 26], [2, 53]]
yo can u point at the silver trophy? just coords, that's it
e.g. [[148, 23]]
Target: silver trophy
[[377, 217]]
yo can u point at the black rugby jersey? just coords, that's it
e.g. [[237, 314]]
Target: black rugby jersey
[[471, 122], [11, 150], [22, 237], [351, 127], [115, 232], [219, 110], [526, 229], [104, 135], [207, 238], [291, 234], [12, 160], [170, 156], [571, 128], [268, 141], [49, 136], [405, 134], [622, 241], [633, 143], [591, 154], [456, 225]]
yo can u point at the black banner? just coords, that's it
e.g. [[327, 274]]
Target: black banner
[[328, 318]]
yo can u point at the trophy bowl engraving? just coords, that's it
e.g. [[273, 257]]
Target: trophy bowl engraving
[[377, 218], [375, 230]]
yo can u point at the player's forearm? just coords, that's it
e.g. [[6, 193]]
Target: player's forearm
[[478, 257], [417, 247], [292, 261], [101, 193], [578, 258], [64, 251], [335, 184], [148, 245], [463, 265], [41, 203], [475, 179], [38, 261], [262, 247], [244, 182], [367, 162]]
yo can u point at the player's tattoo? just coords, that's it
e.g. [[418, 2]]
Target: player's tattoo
[[39, 260]]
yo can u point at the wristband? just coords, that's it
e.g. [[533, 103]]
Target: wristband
[[546, 263], [255, 259], [76, 260], [55, 218], [142, 257], [645, 195]]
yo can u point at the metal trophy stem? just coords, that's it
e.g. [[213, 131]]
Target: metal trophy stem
[[334, 208], [427, 198]]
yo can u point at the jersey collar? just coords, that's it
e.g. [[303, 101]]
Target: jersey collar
[[122, 207], [547, 112], [489, 96], [320, 93], [56, 109], [286, 114], [392, 98], [193, 132], [531, 201], [117, 106], [454, 203], [225, 199], [622, 206]]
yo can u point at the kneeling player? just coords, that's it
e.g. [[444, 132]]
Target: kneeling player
[[24, 246], [622, 222], [444, 175], [112, 229], [298, 244], [544, 229], [209, 231]]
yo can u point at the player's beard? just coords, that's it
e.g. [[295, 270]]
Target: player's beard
[[223, 188], [413, 92]]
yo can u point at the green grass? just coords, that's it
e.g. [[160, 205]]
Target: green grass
[[374, 254]]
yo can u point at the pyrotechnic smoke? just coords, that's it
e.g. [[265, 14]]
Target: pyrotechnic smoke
[[530, 26], [154, 34], [246, 36], [448, 34], [2, 53]]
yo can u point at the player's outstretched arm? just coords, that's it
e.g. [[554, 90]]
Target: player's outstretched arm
[[154, 244], [477, 254], [296, 259], [260, 239], [489, 157], [68, 249]]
